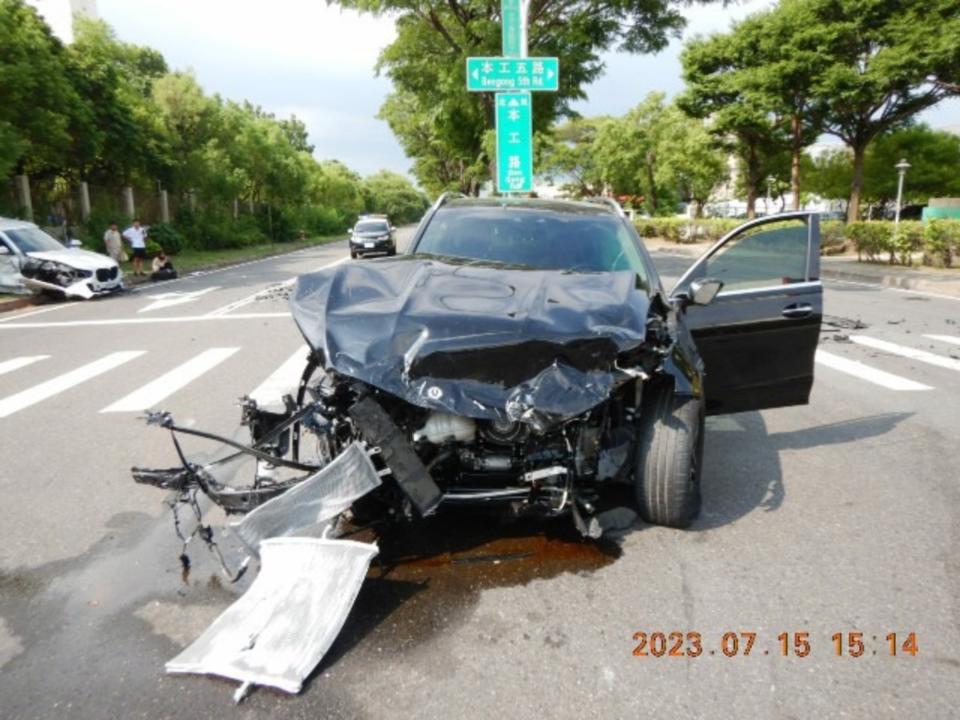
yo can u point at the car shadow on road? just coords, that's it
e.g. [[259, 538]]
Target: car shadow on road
[[742, 469]]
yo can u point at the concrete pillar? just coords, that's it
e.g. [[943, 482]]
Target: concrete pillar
[[129, 208], [164, 207], [84, 201], [22, 183]]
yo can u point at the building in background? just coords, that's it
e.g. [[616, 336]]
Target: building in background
[[59, 14]]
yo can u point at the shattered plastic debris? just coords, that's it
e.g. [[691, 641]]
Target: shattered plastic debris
[[310, 507], [280, 629]]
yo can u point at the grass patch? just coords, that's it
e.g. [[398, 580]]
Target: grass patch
[[189, 261]]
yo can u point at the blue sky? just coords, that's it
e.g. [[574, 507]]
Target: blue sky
[[303, 57]]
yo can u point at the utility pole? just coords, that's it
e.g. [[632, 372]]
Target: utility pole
[[902, 168]]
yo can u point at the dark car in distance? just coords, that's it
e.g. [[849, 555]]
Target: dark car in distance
[[373, 234]]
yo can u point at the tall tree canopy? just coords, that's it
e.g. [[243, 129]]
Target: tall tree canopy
[[441, 125], [888, 61]]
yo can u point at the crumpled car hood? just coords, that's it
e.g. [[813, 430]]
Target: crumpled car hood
[[80, 259], [478, 341]]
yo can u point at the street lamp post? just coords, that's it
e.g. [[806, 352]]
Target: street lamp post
[[902, 168]]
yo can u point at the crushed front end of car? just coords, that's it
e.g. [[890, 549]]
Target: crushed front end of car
[[464, 385]]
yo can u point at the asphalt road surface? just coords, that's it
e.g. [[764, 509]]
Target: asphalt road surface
[[841, 516]]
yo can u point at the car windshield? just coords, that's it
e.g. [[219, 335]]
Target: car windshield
[[537, 238], [32, 239], [371, 226]]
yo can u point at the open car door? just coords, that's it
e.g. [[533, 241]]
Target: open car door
[[758, 336]]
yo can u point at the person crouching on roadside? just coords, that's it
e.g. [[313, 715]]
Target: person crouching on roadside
[[162, 268]]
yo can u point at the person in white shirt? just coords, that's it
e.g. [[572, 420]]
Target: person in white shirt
[[113, 242], [137, 237]]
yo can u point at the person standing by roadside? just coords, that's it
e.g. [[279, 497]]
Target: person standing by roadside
[[113, 242], [137, 237]]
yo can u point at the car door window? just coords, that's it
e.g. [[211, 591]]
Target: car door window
[[768, 254]]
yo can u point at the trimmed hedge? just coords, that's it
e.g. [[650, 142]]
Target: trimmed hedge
[[937, 241], [682, 230]]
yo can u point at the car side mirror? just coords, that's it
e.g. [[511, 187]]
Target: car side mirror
[[4, 250], [702, 292]]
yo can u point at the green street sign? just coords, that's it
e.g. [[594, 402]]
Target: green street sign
[[514, 142], [486, 74], [512, 28]]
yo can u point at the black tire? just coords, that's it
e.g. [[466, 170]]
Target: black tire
[[391, 252], [669, 459], [353, 255]]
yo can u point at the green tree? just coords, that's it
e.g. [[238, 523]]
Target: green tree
[[688, 158], [888, 61], [718, 72], [570, 155], [394, 195], [429, 109], [934, 157], [36, 97]]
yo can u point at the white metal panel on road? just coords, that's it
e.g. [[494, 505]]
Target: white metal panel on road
[[907, 352], [865, 372], [168, 383], [20, 362], [44, 390], [283, 380]]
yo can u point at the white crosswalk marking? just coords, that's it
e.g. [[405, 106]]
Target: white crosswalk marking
[[945, 338], [44, 390], [168, 383], [283, 380], [20, 362], [865, 372], [907, 352]]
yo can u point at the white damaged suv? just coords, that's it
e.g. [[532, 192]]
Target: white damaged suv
[[30, 258]]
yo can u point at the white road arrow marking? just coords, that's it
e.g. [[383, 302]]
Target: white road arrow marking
[[865, 372], [907, 352], [165, 300]]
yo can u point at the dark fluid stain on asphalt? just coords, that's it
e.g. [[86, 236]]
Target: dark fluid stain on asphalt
[[428, 575]]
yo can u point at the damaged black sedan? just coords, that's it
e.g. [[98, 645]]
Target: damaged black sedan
[[524, 355]]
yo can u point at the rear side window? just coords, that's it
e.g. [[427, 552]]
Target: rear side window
[[770, 254], [534, 238]]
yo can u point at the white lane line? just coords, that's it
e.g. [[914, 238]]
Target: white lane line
[[907, 352], [38, 312], [168, 383], [44, 390], [242, 302], [945, 338], [142, 320], [172, 299], [865, 372], [283, 380], [17, 363]]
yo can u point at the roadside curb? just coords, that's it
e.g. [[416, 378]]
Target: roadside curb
[[16, 303], [919, 283]]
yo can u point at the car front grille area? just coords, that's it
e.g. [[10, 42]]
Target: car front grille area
[[106, 274]]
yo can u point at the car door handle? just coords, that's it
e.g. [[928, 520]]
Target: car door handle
[[797, 310]]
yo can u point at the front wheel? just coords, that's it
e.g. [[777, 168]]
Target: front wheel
[[669, 457]]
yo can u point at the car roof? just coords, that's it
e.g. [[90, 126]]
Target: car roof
[[14, 224], [569, 207]]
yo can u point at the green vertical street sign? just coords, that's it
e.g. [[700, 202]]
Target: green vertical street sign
[[514, 142], [512, 28]]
